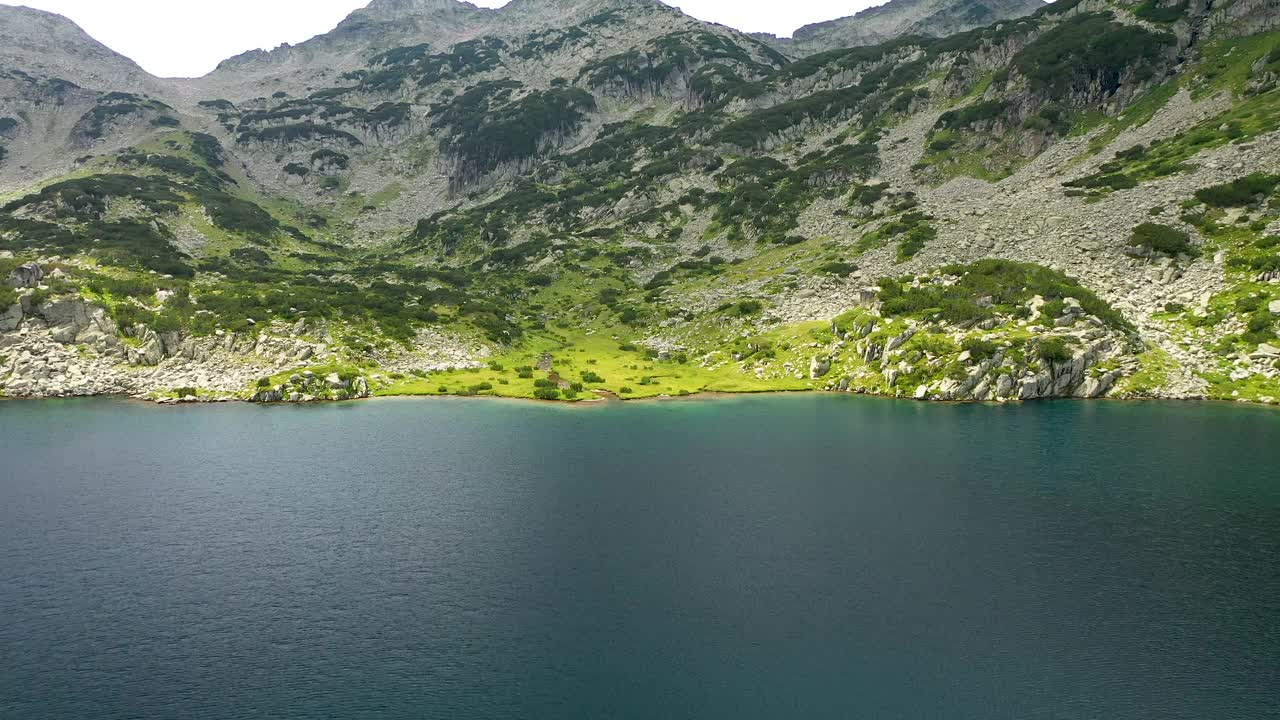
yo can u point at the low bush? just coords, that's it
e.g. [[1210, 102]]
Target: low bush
[[978, 348], [1242, 192], [1053, 350], [1162, 239]]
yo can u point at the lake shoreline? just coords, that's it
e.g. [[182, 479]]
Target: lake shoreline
[[611, 400]]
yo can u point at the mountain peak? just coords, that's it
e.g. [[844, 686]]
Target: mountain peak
[[391, 8], [51, 45]]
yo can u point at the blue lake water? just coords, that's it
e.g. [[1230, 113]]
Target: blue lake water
[[761, 557]]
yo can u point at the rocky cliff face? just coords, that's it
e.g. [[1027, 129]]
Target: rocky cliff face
[[1082, 201]]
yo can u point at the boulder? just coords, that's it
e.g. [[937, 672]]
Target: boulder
[[273, 395], [1266, 351], [26, 276], [149, 352], [11, 318], [1274, 307], [900, 340], [818, 367], [1095, 387], [71, 314]]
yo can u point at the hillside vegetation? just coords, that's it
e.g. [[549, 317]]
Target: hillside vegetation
[[1080, 201]]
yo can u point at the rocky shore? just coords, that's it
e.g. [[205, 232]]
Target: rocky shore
[[69, 347]]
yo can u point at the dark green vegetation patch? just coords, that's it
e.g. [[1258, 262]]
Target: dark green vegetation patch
[[1162, 239], [1090, 51], [987, 289]]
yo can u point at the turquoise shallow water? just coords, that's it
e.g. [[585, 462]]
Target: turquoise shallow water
[[763, 557]]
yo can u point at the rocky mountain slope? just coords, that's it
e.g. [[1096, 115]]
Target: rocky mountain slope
[[564, 198], [898, 18]]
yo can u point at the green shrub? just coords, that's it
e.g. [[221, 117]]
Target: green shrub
[[914, 241], [1053, 350], [987, 288], [978, 348], [591, 377], [1162, 239], [264, 382], [838, 268], [1239, 193], [546, 393], [1154, 11], [969, 116], [1104, 180]]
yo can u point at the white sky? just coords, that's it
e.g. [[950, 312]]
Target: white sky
[[188, 38]]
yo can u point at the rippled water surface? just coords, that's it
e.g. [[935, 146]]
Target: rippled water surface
[[768, 557]]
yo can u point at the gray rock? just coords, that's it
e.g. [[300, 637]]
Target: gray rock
[[72, 314], [273, 395], [900, 340], [11, 318], [1266, 351], [818, 367], [26, 276]]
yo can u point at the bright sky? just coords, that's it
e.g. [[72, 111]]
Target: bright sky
[[188, 38]]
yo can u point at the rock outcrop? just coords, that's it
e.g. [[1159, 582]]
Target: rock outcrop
[[26, 276]]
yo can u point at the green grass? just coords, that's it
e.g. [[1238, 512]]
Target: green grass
[[1154, 369], [954, 153], [578, 354], [1227, 63]]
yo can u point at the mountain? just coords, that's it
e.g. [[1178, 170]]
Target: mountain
[[566, 197], [50, 45], [897, 18]]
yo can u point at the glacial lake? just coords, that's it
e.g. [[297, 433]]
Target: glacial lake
[[757, 557]]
